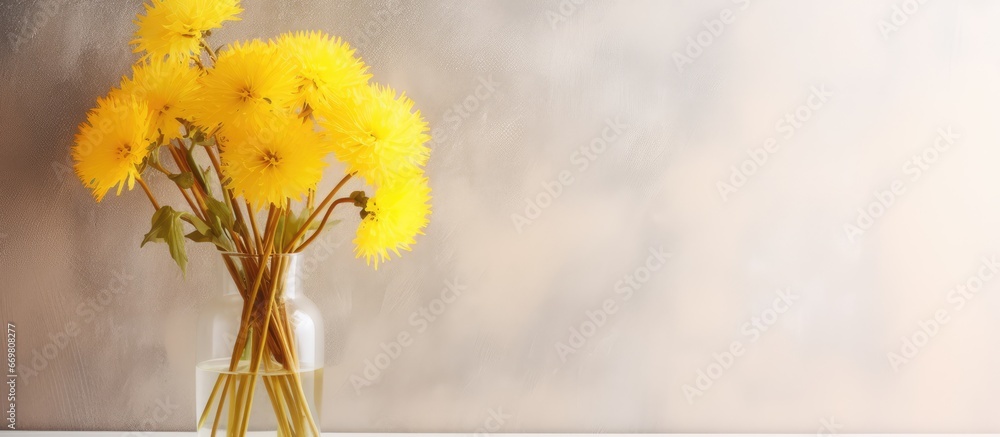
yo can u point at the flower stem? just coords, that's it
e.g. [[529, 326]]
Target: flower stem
[[269, 345], [194, 209], [149, 194], [253, 225], [323, 223], [277, 271], [229, 196], [211, 53], [305, 226]]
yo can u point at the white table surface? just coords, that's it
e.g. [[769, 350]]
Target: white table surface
[[193, 434]]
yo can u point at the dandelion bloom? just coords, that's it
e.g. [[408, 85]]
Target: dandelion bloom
[[170, 89], [176, 27], [325, 66], [111, 144], [377, 135], [249, 83], [395, 215], [278, 159]]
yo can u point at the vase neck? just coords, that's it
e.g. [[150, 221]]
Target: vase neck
[[241, 271]]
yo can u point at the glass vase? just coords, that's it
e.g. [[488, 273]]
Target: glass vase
[[260, 352]]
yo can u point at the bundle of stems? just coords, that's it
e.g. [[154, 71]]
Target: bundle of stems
[[265, 343]]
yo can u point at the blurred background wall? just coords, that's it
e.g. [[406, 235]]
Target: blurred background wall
[[711, 216]]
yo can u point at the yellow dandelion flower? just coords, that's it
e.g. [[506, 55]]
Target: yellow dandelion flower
[[377, 135], [170, 89], [249, 83], [111, 143], [278, 159], [176, 27], [396, 214], [326, 67]]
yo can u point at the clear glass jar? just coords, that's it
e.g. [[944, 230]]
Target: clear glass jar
[[244, 384]]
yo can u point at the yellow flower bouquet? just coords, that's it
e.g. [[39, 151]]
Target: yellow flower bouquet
[[243, 133]]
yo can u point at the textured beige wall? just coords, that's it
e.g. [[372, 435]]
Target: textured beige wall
[[561, 75]]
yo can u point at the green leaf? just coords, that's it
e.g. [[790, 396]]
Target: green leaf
[[184, 180], [198, 223], [153, 153], [207, 233], [161, 222], [218, 209], [166, 227], [220, 218], [209, 236], [295, 222], [199, 173], [199, 237]]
